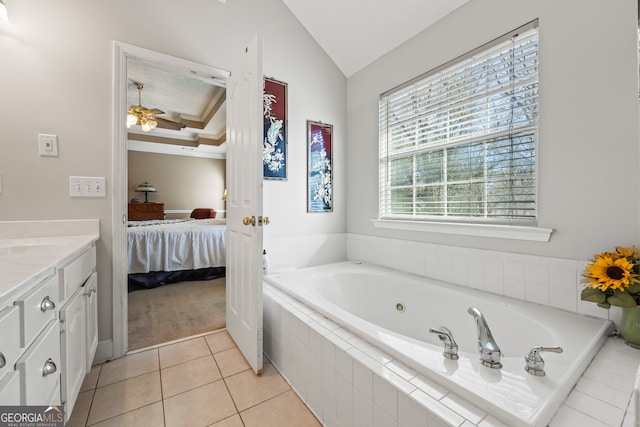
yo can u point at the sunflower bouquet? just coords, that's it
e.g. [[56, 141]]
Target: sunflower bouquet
[[612, 278]]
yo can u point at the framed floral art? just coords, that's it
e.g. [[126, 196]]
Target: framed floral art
[[320, 167], [274, 149]]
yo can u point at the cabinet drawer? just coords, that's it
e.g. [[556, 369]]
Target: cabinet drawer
[[10, 389], [39, 368], [146, 207], [10, 343], [145, 211], [75, 274], [37, 307]]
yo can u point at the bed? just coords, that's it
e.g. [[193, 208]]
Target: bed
[[168, 251]]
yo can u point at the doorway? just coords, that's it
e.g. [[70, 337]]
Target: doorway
[[124, 56]]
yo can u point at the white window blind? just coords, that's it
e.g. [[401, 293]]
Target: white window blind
[[459, 143]]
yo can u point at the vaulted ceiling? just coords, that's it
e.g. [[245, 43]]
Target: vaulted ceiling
[[354, 33]]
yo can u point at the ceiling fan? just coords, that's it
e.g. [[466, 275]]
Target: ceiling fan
[[147, 117]]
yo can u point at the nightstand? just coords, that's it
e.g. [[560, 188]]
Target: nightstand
[[146, 211]]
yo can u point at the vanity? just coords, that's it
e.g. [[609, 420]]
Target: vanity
[[48, 310]]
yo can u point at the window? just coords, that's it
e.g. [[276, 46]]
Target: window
[[459, 142]]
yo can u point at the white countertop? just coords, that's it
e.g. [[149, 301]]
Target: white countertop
[[29, 250]]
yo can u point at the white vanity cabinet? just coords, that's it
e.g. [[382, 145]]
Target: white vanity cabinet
[[49, 332]]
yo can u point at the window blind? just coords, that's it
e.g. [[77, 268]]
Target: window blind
[[460, 141]]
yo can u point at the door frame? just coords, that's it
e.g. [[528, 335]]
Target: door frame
[[121, 53]]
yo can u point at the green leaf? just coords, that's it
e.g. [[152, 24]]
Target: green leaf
[[621, 299], [593, 295], [604, 305], [634, 288]]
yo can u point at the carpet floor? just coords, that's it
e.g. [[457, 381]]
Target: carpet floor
[[175, 311]]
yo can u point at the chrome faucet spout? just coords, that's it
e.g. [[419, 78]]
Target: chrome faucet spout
[[490, 353]]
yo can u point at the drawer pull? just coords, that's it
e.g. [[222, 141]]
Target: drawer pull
[[91, 291], [47, 304], [3, 361], [49, 367]]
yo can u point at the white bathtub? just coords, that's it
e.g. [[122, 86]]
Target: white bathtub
[[364, 299]]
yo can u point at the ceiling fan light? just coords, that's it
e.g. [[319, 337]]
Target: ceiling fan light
[[152, 124], [132, 120], [4, 17], [146, 126]]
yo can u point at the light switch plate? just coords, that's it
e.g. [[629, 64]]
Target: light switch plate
[[48, 145], [87, 186]]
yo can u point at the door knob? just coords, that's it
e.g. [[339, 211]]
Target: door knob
[[266, 220], [249, 220]]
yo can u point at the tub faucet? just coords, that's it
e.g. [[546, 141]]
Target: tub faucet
[[490, 353], [535, 363], [450, 346]]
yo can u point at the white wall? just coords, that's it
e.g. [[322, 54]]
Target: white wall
[[588, 145], [56, 77], [183, 182]]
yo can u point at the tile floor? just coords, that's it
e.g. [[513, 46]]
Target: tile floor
[[202, 381]]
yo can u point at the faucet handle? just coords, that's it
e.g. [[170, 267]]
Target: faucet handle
[[450, 345], [534, 362]]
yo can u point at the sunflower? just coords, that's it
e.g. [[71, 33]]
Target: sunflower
[[627, 252], [607, 271]]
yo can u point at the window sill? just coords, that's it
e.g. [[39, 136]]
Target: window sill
[[514, 232]]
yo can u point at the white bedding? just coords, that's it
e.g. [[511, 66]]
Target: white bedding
[[176, 245]]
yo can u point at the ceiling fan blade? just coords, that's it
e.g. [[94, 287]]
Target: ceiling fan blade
[[169, 124], [153, 111]]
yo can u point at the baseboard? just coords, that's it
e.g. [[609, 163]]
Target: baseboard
[[104, 351]]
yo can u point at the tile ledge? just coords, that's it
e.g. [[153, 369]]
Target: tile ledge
[[514, 232]]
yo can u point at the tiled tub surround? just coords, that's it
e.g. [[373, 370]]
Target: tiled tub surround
[[542, 280], [347, 382], [601, 397]]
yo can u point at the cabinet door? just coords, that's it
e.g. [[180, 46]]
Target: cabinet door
[[72, 348], [91, 312]]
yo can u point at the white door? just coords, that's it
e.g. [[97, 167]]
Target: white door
[[244, 204]]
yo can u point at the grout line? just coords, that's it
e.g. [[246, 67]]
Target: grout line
[[231, 396], [86, 420], [164, 416], [126, 412]]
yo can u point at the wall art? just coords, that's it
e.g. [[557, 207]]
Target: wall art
[[320, 167], [274, 150]]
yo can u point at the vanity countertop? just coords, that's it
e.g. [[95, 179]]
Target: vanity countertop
[[29, 250]]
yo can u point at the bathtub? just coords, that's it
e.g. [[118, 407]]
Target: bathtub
[[393, 311]]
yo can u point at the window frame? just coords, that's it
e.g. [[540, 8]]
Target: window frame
[[519, 228]]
